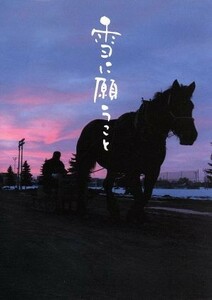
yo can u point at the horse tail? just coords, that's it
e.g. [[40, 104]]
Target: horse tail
[[88, 147], [85, 156], [86, 150], [85, 164]]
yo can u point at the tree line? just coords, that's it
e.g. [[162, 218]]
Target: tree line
[[27, 178]]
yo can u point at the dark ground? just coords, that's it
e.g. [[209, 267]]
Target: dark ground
[[48, 256]]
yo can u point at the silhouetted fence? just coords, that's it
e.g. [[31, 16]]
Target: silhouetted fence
[[174, 176]]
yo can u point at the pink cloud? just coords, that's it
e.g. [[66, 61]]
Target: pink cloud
[[29, 97], [204, 123], [41, 134], [74, 134], [44, 130]]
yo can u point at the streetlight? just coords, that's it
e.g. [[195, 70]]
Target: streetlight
[[20, 162]]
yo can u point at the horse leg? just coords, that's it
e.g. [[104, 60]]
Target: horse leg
[[112, 204], [149, 183], [136, 212], [81, 195], [83, 170]]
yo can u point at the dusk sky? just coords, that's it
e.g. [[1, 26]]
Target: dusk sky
[[49, 62]]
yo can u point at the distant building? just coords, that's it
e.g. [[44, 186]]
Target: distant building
[[3, 179]]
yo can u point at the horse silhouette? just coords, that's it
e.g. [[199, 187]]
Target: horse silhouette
[[137, 146]]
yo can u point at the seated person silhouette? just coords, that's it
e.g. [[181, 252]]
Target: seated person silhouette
[[53, 171]]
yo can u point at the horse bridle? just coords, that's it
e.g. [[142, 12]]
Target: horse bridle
[[175, 118]]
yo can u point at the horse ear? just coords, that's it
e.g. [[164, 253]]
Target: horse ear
[[192, 87], [175, 84]]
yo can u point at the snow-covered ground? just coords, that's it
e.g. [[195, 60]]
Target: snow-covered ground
[[185, 193], [202, 193]]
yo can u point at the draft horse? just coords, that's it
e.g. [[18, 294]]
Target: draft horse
[[137, 146]]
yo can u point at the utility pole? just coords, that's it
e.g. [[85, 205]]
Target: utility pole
[[20, 163], [14, 169]]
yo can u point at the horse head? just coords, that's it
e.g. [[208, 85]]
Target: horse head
[[180, 109]]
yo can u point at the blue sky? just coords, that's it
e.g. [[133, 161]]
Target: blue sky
[[49, 62]]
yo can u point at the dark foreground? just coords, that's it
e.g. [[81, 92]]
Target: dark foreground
[[46, 256]]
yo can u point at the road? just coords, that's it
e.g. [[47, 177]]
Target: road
[[46, 256]]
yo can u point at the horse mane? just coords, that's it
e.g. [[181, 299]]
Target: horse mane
[[160, 95]]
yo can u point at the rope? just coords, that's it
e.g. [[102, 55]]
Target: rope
[[97, 170]]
